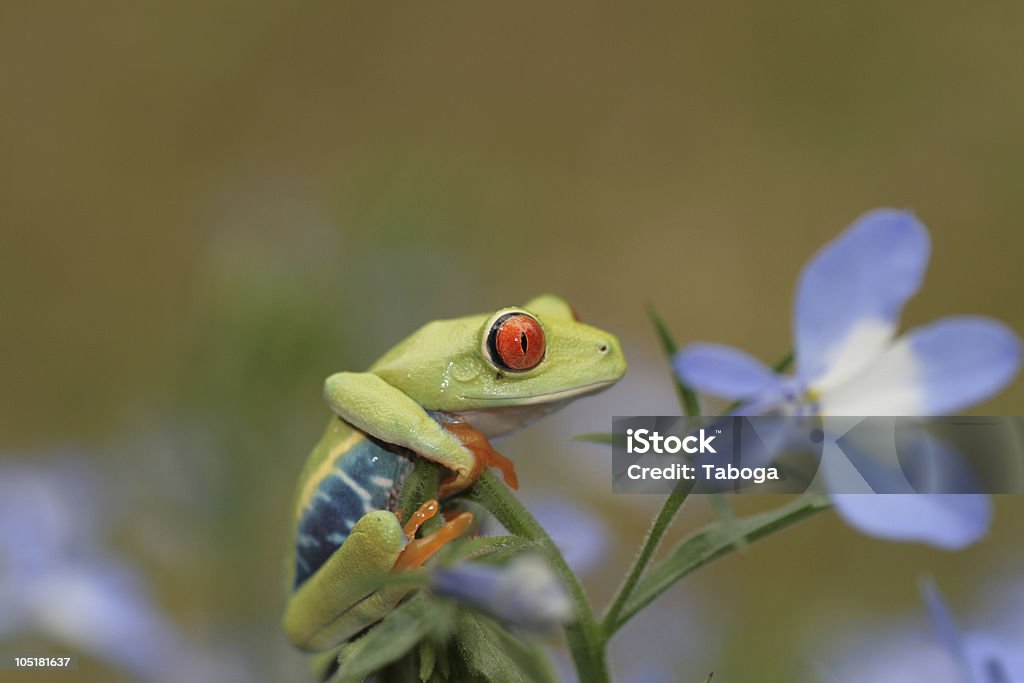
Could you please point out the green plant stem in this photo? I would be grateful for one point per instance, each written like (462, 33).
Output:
(783, 363)
(584, 634)
(661, 523)
(688, 398)
(690, 404)
(722, 508)
(711, 543)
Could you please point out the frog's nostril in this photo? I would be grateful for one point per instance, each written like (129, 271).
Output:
(602, 348)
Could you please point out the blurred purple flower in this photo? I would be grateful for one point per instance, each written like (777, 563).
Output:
(525, 592)
(677, 638)
(944, 653)
(578, 533)
(58, 580)
(846, 313)
(980, 658)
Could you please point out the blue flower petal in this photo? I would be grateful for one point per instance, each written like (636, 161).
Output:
(992, 660)
(723, 371)
(883, 456)
(526, 592)
(937, 369)
(981, 658)
(578, 534)
(868, 486)
(964, 360)
(946, 630)
(945, 520)
(849, 297)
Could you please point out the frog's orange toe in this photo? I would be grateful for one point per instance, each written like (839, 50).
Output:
(425, 512)
(486, 456)
(419, 550)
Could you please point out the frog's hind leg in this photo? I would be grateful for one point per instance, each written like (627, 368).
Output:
(344, 595)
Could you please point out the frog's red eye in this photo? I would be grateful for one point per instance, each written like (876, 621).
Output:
(516, 342)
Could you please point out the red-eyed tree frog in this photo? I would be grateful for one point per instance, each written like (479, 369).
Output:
(440, 394)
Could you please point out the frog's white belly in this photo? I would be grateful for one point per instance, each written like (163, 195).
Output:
(495, 422)
(503, 419)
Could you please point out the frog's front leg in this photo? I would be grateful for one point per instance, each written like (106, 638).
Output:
(367, 402)
(345, 594)
(485, 454)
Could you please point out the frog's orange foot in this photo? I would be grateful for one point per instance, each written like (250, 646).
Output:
(485, 457)
(419, 550)
(425, 512)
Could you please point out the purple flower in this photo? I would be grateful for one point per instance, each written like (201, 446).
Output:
(980, 658)
(577, 532)
(59, 581)
(944, 653)
(525, 592)
(850, 363)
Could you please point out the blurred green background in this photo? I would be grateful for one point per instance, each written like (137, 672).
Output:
(206, 208)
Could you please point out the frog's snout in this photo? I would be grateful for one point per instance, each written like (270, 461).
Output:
(609, 356)
(607, 345)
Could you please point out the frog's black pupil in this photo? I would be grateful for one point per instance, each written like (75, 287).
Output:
(522, 341)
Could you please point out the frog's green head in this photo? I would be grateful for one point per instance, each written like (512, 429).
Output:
(539, 355)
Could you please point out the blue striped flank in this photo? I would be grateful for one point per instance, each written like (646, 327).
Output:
(362, 480)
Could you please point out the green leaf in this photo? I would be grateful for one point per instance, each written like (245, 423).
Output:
(496, 655)
(688, 398)
(723, 510)
(395, 636)
(782, 365)
(491, 549)
(461, 673)
(428, 658)
(708, 545)
(402, 671)
(673, 502)
(442, 667)
(603, 438)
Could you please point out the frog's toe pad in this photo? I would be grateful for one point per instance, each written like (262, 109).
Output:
(419, 550)
(425, 512)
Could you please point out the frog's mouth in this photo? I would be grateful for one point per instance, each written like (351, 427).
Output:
(552, 397)
(497, 419)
